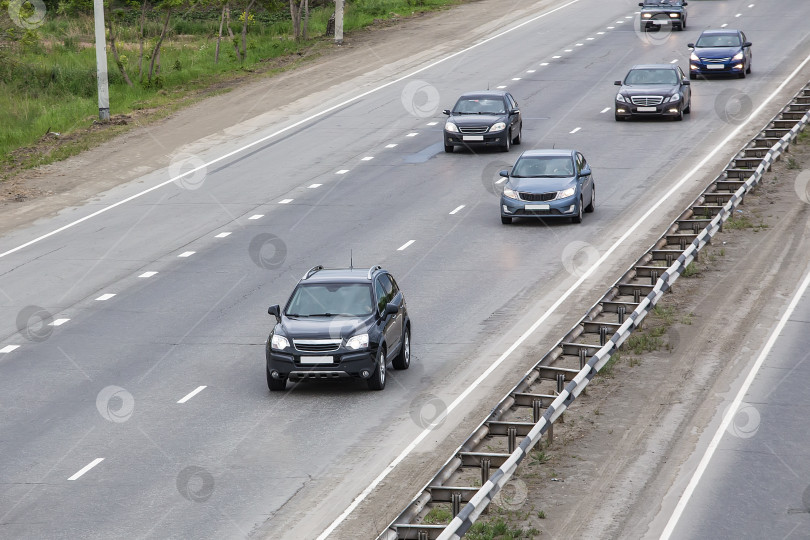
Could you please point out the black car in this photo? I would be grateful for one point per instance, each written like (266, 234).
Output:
(339, 323)
(654, 90)
(658, 13)
(720, 52)
(490, 118)
(548, 184)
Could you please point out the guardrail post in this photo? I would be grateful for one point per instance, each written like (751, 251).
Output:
(511, 439)
(484, 470)
(653, 279)
(536, 406)
(621, 310)
(560, 383)
(603, 331)
(455, 499)
(696, 227)
(582, 356)
(670, 259)
(423, 535)
(637, 296)
(550, 433)
(683, 244)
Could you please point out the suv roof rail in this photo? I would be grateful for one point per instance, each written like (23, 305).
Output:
(373, 269)
(312, 270)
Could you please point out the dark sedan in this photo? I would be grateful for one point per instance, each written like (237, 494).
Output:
(654, 90)
(490, 118)
(720, 52)
(548, 184)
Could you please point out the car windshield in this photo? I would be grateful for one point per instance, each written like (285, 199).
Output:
(479, 106)
(662, 2)
(330, 300)
(651, 76)
(731, 40)
(543, 166)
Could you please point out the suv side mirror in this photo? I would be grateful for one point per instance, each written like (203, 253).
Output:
(685, 3)
(391, 308)
(504, 173)
(690, 45)
(747, 44)
(641, 4)
(686, 82)
(617, 83)
(275, 310)
(446, 111)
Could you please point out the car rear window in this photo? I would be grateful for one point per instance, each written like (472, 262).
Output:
(719, 41)
(651, 76)
(330, 300)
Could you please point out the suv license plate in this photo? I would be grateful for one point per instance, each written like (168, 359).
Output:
(646, 109)
(317, 359)
(473, 137)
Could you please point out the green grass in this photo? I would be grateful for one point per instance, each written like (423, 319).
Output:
(497, 529)
(438, 515)
(48, 75)
(641, 342)
(738, 223)
(539, 457)
(793, 164)
(691, 270)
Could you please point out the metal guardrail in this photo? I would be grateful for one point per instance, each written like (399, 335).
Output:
(707, 214)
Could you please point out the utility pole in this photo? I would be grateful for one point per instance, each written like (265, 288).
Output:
(339, 22)
(101, 62)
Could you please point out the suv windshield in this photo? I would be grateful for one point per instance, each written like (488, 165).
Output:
(543, 166)
(718, 41)
(651, 76)
(329, 300)
(662, 2)
(479, 106)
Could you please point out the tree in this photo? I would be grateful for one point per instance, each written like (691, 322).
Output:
(118, 62)
(144, 5)
(245, 20)
(297, 8)
(168, 5)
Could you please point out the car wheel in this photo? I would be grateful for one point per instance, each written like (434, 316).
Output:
(619, 118)
(506, 220)
(592, 206)
(403, 359)
(749, 69)
(680, 116)
(449, 149)
(578, 218)
(516, 140)
(742, 74)
(275, 385)
(377, 380)
(508, 144)
(688, 108)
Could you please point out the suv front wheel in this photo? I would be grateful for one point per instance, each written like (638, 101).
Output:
(377, 379)
(403, 359)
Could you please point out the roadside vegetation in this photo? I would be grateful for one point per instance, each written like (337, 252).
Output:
(160, 53)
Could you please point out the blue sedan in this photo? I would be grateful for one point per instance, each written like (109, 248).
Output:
(719, 52)
(548, 184)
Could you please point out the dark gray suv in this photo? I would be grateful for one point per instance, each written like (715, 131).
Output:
(339, 323)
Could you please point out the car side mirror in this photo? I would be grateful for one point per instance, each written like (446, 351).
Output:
(391, 308)
(504, 173)
(686, 83)
(685, 4)
(641, 4)
(447, 112)
(275, 310)
(690, 45)
(586, 171)
(747, 44)
(617, 83)
(514, 111)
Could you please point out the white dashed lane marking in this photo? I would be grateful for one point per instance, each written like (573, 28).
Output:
(457, 209)
(342, 171)
(86, 468)
(515, 78)
(603, 111)
(187, 254)
(575, 130)
(192, 394)
(104, 297)
(413, 134)
(59, 322)
(285, 201)
(392, 145)
(222, 234)
(313, 186)
(501, 87)
(432, 123)
(256, 216)
(501, 181)
(367, 158)
(530, 70)
(9, 348)
(405, 245)
(543, 63)
(147, 274)
(555, 57)
(674, 61)
(723, 25)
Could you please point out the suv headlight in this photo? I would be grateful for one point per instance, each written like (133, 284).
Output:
(566, 193)
(451, 127)
(510, 193)
(694, 58)
(279, 342)
(675, 97)
(498, 126)
(647, 15)
(357, 342)
(674, 15)
(738, 56)
(620, 98)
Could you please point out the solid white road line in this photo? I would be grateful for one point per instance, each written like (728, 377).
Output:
(603, 111)
(485, 375)
(367, 158)
(186, 254)
(285, 201)
(574, 130)
(405, 245)
(732, 411)
(58, 322)
(86, 468)
(9, 348)
(147, 274)
(256, 216)
(192, 394)
(342, 171)
(457, 209)
(104, 297)
(314, 186)
(223, 234)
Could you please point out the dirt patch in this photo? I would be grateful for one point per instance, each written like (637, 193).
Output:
(620, 446)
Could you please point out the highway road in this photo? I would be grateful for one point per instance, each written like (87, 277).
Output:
(150, 299)
(755, 480)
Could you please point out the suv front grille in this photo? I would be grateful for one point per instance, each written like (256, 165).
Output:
(538, 196)
(646, 101)
(317, 345)
(474, 129)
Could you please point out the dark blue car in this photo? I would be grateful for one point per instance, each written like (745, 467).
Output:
(720, 52)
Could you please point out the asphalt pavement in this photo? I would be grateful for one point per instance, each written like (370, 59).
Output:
(150, 300)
